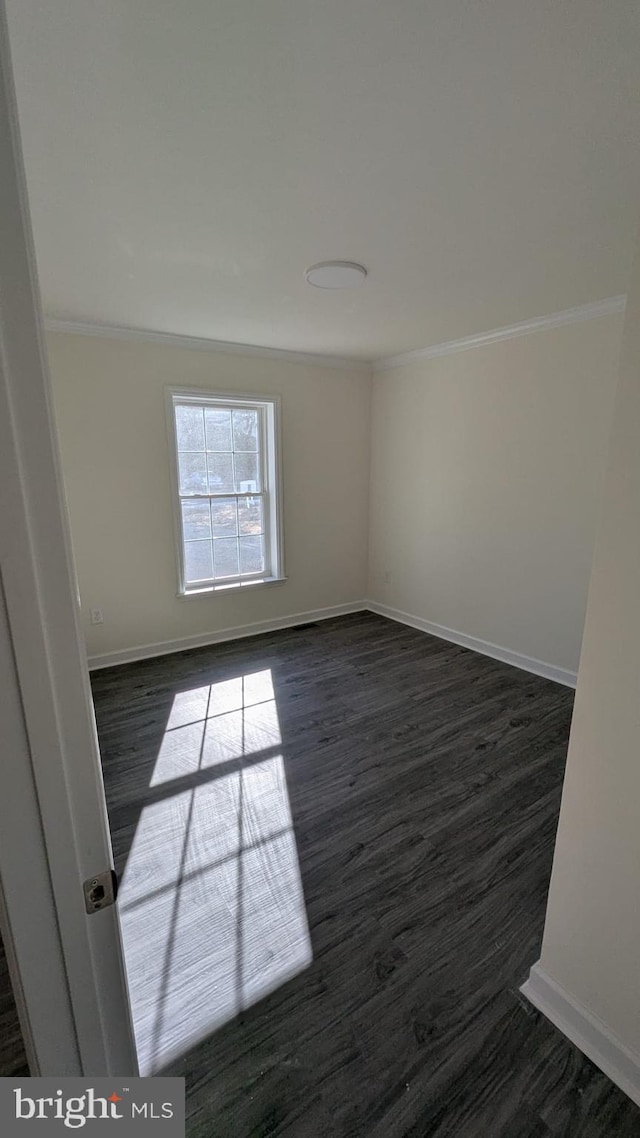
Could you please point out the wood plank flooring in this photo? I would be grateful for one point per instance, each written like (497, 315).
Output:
(13, 1059)
(335, 844)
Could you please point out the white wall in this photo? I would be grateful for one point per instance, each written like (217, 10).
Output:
(591, 941)
(110, 411)
(486, 474)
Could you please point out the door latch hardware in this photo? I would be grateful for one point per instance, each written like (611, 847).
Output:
(100, 891)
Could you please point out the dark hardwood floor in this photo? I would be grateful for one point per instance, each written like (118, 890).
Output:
(335, 843)
(13, 1059)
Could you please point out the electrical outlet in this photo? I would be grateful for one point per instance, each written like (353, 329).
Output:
(386, 578)
(96, 616)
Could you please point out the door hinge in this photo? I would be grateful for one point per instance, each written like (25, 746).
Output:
(100, 890)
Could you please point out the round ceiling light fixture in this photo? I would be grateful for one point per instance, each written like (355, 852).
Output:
(336, 274)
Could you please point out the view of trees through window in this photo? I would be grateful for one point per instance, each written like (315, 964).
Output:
(221, 493)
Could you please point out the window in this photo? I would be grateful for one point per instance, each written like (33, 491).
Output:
(227, 489)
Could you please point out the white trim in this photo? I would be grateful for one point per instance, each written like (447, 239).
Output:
(484, 647)
(269, 408)
(583, 1028)
(247, 583)
(201, 344)
(608, 307)
(53, 783)
(201, 640)
(44, 1010)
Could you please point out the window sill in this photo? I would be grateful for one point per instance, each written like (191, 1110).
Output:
(211, 590)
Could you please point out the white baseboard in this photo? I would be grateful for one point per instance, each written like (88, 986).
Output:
(589, 1033)
(485, 647)
(201, 640)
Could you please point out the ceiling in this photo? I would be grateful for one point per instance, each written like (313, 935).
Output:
(188, 160)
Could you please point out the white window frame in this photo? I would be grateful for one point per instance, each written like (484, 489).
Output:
(269, 415)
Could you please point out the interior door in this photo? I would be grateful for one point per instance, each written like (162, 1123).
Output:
(58, 767)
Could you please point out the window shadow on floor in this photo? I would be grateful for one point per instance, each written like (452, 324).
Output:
(405, 793)
(211, 901)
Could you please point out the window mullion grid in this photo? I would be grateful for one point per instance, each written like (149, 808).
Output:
(263, 494)
(212, 539)
(223, 494)
(266, 492)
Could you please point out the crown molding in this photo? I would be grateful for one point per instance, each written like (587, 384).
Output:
(201, 344)
(608, 307)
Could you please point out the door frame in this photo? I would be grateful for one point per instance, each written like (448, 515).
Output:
(53, 813)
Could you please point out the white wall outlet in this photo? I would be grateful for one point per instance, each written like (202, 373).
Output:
(386, 578)
(96, 616)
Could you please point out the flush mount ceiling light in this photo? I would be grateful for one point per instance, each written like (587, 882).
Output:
(336, 274)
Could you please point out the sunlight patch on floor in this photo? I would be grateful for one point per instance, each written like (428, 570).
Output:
(217, 723)
(211, 901)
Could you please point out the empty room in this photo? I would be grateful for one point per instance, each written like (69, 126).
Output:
(320, 550)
